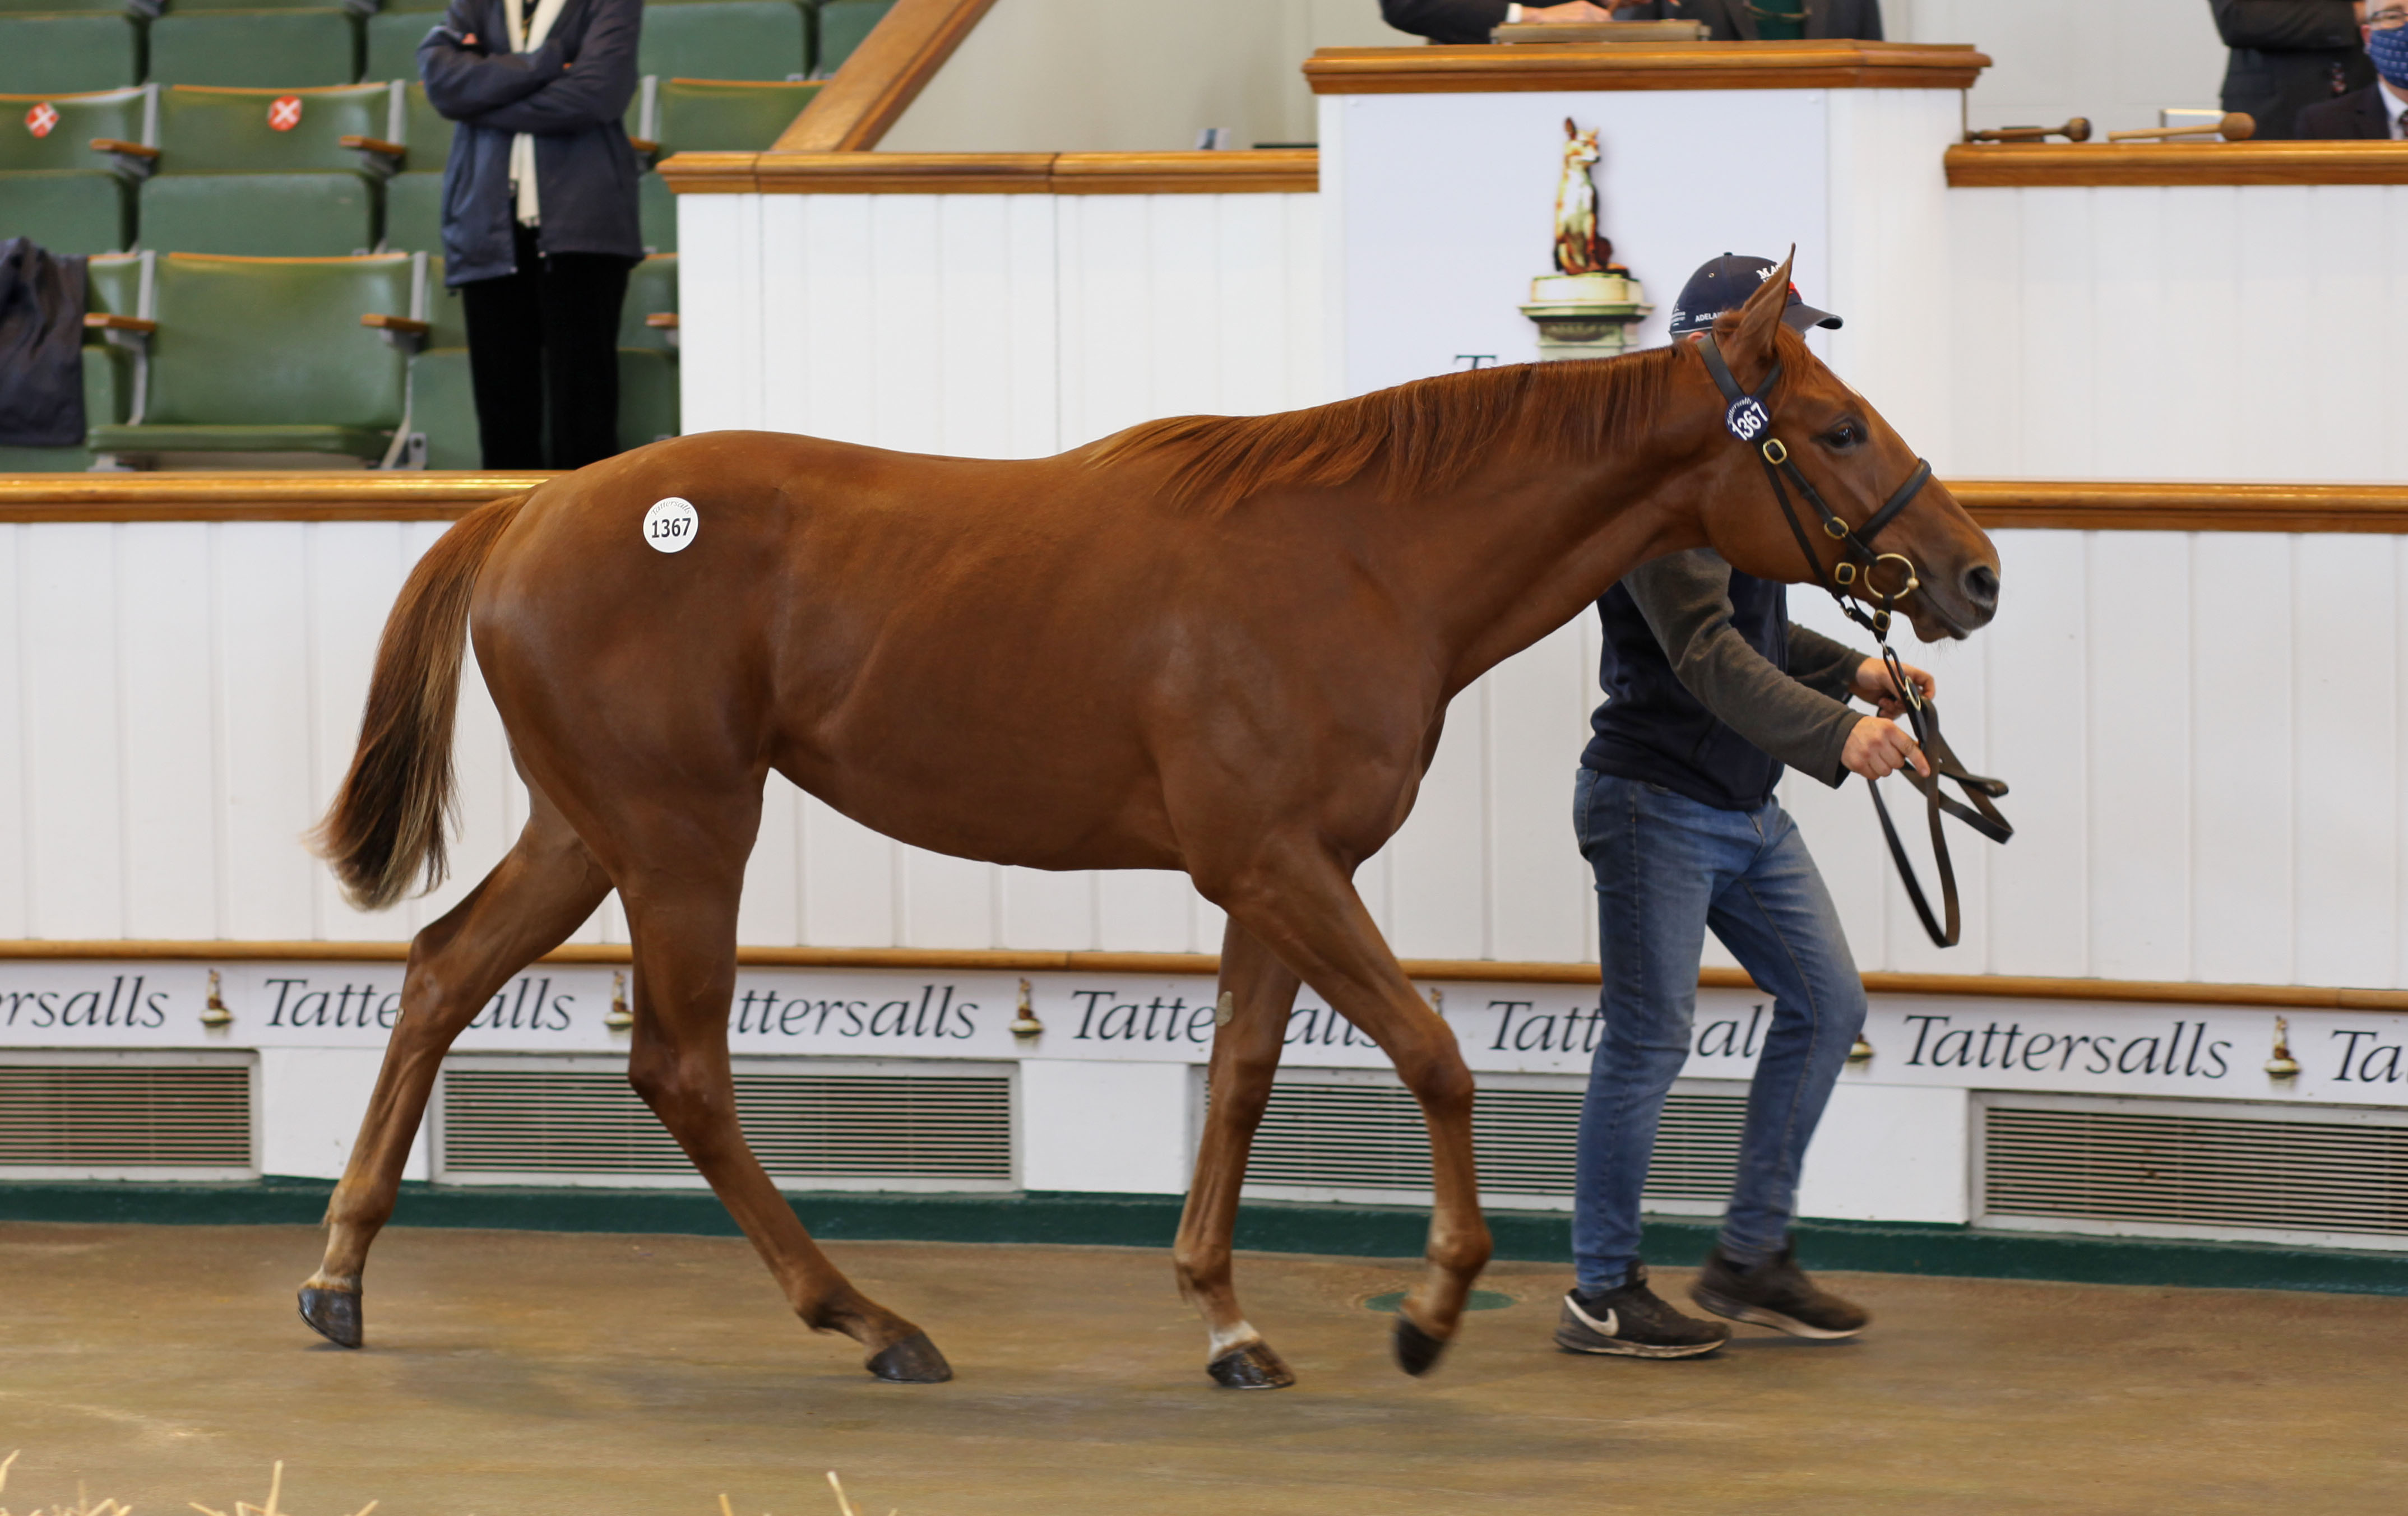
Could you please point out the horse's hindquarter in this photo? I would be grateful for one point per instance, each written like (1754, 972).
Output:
(1029, 663)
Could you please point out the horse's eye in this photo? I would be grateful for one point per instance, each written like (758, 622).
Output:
(1842, 438)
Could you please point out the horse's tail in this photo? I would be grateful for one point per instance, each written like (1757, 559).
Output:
(386, 824)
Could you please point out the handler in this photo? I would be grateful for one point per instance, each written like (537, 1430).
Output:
(1711, 688)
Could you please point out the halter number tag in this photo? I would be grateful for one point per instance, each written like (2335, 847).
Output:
(1746, 418)
(669, 526)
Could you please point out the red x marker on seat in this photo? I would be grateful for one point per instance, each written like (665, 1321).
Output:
(42, 119)
(285, 112)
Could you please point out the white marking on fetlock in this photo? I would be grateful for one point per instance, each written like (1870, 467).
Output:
(348, 1284)
(1227, 1339)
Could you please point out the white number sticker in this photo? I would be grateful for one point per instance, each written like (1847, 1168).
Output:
(669, 526)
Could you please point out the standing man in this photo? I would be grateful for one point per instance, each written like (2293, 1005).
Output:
(2379, 111)
(1710, 689)
(539, 225)
(2289, 56)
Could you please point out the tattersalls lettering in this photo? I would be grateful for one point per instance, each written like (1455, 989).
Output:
(1104, 1018)
(2376, 1062)
(936, 1013)
(2185, 1054)
(123, 1005)
(350, 1006)
(1541, 1031)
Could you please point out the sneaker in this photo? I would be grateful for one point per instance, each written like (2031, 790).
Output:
(1630, 1321)
(1776, 1292)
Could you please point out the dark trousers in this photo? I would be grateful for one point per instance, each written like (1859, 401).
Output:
(545, 340)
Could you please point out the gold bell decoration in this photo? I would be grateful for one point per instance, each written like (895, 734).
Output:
(1860, 1051)
(619, 1018)
(2283, 1066)
(1025, 1024)
(214, 1012)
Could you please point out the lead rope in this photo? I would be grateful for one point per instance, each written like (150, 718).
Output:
(1749, 420)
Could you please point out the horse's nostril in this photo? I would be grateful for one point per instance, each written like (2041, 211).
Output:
(1982, 584)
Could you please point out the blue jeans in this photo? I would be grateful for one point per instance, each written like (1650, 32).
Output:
(1667, 868)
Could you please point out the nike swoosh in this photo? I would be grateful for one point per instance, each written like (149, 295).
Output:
(1604, 1328)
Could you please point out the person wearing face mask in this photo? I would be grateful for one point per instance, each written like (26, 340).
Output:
(2379, 111)
(2289, 56)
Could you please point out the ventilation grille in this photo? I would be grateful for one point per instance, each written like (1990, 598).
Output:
(1369, 1137)
(799, 1125)
(125, 1116)
(2126, 1165)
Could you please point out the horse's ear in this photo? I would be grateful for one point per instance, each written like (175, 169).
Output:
(1570, 130)
(1746, 336)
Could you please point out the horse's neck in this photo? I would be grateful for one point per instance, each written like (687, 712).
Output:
(1524, 552)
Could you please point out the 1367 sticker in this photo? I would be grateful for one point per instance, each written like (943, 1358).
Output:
(670, 525)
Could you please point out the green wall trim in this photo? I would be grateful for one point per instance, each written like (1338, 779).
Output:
(1145, 1221)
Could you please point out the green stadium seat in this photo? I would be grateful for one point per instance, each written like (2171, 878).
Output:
(56, 131)
(70, 54)
(726, 39)
(230, 181)
(648, 397)
(843, 25)
(269, 355)
(392, 39)
(67, 210)
(427, 131)
(694, 115)
(80, 7)
(651, 291)
(413, 212)
(656, 208)
(270, 48)
(413, 200)
(54, 186)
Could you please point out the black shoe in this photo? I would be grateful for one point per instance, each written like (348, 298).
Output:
(1631, 1322)
(1776, 1292)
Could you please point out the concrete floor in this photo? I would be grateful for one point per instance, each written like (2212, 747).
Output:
(523, 1374)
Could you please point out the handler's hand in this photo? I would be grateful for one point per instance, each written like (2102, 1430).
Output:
(1871, 682)
(1579, 10)
(1877, 749)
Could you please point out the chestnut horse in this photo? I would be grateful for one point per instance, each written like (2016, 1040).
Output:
(1223, 645)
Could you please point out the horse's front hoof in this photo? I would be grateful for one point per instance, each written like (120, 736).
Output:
(1251, 1366)
(332, 1314)
(914, 1360)
(1417, 1352)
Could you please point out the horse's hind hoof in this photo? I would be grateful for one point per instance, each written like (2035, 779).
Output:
(1417, 1352)
(332, 1314)
(1251, 1366)
(914, 1360)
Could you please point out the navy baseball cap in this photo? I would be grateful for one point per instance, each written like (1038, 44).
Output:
(1725, 283)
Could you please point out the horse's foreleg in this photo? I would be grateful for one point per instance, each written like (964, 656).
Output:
(541, 891)
(1300, 903)
(684, 932)
(1245, 1055)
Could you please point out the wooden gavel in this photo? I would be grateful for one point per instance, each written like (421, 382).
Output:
(2239, 126)
(2076, 130)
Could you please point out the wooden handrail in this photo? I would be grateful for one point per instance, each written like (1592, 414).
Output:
(377, 495)
(1439, 970)
(1821, 64)
(1260, 171)
(874, 86)
(2052, 164)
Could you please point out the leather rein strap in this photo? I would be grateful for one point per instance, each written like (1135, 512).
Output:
(1748, 420)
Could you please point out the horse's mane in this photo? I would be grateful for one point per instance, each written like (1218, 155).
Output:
(1416, 438)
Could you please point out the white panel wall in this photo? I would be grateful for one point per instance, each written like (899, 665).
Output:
(2199, 333)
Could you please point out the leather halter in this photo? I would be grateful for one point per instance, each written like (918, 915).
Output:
(1749, 421)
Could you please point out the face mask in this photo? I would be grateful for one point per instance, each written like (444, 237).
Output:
(2389, 51)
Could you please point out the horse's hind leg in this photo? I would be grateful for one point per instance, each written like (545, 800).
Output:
(683, 922)
(1298, 901)
(1245, 1055)
(541, 891)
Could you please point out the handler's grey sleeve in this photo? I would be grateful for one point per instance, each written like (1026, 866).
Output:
(1797, 716)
